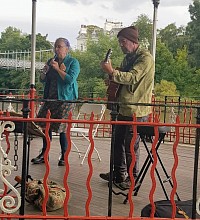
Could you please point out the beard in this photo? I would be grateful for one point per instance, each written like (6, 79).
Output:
(125, 50)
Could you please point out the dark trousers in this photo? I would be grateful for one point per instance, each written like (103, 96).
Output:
(63, 143)
(122, 154)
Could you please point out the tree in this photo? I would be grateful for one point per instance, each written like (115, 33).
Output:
(193, 31)
(18, 79)
(164, 61)
(192, 89)
(144, 25)
(181, 72)
(12, 39)
(176, 56)
(91, 78)
(165, 88)
(174, 69)
(174, 38)
(92, 88)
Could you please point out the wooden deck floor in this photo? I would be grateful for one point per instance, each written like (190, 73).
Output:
(78, 174)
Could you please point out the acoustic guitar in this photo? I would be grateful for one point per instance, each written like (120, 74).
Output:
(113, 88)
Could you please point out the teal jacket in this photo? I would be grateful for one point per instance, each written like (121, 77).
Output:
(67, 88)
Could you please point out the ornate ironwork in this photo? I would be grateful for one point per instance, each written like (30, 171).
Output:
(16, 143)
(7, 203)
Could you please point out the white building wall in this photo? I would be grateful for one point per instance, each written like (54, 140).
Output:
(82, 35)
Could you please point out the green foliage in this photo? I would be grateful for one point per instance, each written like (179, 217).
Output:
(18, 79)
(165, 88)
(182, 73)
(191, 87)
(177, 57)
(91, 78)
(145, 26)
(174, 38)
(193, 31)
(12, 39)
(42, 43)
(93, 87)
(175, 69)
(164, 61)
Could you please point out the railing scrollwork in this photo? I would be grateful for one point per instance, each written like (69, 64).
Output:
(7, 203)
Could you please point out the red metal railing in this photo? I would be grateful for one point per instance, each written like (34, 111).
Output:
(44, 215)
(166, 110)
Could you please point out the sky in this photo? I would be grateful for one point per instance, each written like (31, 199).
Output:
(63, 18)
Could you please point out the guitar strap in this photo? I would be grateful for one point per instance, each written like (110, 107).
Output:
(130, 64)
(114, 88)
(127, 68)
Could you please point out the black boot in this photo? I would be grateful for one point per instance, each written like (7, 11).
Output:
(39, 159)
(117, 178)
(61, 161)
(63, 144)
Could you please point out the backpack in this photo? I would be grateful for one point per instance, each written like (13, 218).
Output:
(35, 194)
(163, 209)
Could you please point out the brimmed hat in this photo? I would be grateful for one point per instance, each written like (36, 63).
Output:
(130, 33)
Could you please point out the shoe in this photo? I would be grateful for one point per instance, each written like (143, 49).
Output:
(39, 159)
(106, 176)
(125, 184)
(61, 163)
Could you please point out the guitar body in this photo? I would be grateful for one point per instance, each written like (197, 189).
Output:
(113, 88)
(112, 93)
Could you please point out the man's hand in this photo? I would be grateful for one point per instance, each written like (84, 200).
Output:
(107, 67)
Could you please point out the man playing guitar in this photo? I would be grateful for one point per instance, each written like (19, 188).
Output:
(135, 77)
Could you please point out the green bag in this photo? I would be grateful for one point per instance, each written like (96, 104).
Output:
(35, 194)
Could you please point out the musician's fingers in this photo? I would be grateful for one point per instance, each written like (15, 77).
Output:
(109, 61)
(55, 65)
